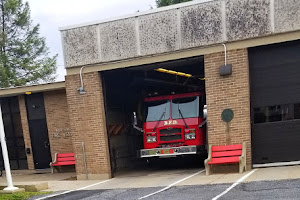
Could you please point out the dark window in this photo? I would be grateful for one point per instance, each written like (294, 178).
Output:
(156, 110)
(267, 114)
(188, 106)
(277, 113)
(287, 112)
(297, 111)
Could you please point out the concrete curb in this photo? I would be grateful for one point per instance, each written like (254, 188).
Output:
(12, 191)
(29, 187)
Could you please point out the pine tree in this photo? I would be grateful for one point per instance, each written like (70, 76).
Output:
(161, 3)
(24, 56)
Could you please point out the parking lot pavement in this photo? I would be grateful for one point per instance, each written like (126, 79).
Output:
(185, 183)
(279, 189)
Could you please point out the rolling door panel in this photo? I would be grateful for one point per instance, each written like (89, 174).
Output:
(275, 102)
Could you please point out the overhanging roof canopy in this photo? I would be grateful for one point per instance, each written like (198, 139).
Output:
(33, 88)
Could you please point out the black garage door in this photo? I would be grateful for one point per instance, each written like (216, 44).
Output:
(275, 102)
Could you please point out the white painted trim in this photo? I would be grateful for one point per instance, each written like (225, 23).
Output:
(169, 186)
(82, 188)
(234, 184)
(190, 3)
(276, 164)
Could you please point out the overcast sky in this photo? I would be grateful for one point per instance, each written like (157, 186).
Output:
(52, 14)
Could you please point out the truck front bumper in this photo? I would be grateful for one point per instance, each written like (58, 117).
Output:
(170, 151)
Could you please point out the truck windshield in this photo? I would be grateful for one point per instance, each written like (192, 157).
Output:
(188, 106)
(156, 110)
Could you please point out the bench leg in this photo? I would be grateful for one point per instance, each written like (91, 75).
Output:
(51, 167)
(242, 166)
(207, 169)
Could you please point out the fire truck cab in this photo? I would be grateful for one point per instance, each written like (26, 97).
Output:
(174, 125)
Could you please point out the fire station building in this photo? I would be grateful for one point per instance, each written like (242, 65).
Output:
(244, 54)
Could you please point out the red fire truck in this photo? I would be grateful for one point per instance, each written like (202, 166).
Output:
(173, 125)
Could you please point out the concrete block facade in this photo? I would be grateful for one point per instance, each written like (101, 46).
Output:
(118, 40)
(75, 52)
(198, 24)
(178, 27)
(233, 92)
(88, 126)
(158, 32)
(247, 19)
(287, 14)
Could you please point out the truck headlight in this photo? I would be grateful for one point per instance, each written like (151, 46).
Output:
(151, 139)
(190, 136)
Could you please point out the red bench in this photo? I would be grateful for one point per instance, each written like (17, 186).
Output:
(62, 159)
(227, 154)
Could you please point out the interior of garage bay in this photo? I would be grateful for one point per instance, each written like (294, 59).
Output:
(124, 92)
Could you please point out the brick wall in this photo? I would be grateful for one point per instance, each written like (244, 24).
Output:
(58, 123)
(88, 125)
(228, 92)
(25, 128)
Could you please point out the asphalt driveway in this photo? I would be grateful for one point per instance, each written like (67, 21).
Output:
(280, 189)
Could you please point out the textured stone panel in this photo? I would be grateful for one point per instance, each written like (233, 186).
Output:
(158, 32)
(201, 24)
(247, 18)
(118, 40)
(80, 46)
(287, 15)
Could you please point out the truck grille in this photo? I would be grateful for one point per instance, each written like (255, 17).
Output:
(168, 138)
(170, 131)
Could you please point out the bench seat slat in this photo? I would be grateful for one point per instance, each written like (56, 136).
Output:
(227, 147)
(226, 153)
(62, 155)
(65, 159)
(64, 163)
(224, 160)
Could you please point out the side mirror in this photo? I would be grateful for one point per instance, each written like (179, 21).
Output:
(135, 123)
(134, 119)
(205, 111)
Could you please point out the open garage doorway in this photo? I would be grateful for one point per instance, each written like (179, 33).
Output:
(125, 91)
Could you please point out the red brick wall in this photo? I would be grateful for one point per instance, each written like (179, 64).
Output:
(58, 122)
(88, 125)
(228, 92)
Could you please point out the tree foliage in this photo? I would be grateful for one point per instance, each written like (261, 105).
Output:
(161, 3)
(24, 56)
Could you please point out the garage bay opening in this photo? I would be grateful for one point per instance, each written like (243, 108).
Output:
(165, 102)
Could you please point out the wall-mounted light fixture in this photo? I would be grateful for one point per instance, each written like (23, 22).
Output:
(226, 69)
(81, 89)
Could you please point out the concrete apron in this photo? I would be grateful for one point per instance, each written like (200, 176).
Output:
(146, 178)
